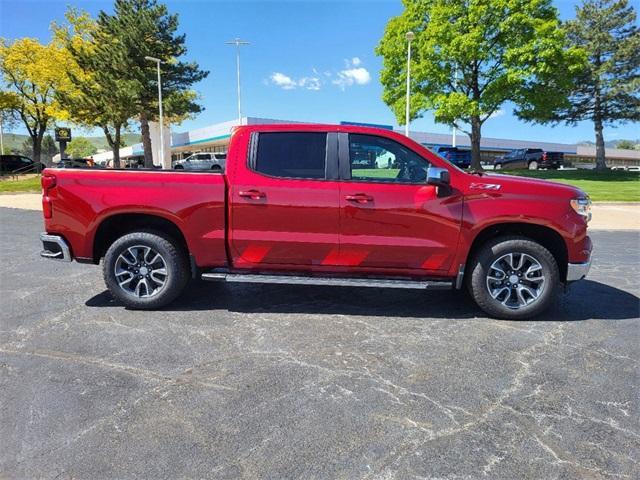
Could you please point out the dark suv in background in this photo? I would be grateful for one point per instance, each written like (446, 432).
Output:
(531, 158)
(18, 164)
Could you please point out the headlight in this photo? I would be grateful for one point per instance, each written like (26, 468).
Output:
(582, 206)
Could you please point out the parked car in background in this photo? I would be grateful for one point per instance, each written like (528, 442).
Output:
(460, 158)
(76, 163)
(626, 168)
(293, 208)
(19, 164)
(531, 158)
(202, 161)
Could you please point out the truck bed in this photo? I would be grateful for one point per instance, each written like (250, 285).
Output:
(85, 198)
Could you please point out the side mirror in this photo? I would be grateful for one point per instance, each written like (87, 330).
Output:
(438, 177)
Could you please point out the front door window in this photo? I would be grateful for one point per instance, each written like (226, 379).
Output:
(379, 159)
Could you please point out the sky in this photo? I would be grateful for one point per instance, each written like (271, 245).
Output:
(307, 61)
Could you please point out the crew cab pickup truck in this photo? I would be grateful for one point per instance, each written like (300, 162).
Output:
(291, 209)
(531, 158)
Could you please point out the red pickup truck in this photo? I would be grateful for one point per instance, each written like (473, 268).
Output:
(294, 207)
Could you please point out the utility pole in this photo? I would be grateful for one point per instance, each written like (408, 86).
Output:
(409, 36)
(238, 43)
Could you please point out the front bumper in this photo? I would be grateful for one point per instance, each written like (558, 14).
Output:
(577, 271)
(55, 247)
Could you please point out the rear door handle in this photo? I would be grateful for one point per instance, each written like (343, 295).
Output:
(359, 198)
(252, 194)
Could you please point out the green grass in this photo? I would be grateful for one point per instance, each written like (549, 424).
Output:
(374, 173)
(31, 184)
(607, 186)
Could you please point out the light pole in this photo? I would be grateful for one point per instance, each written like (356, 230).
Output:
(410, 36)
(238, 43)
(158, 62)
(453, 128)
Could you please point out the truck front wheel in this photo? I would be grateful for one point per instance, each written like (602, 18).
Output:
(145, 270)
(514, 278)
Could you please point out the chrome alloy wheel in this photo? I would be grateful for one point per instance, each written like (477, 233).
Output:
(141, 271)
(515, 280)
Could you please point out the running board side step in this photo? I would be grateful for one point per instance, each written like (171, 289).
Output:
(328, 281)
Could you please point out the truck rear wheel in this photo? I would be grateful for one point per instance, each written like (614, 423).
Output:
(145, 270)
(514, 278)
(533, 165)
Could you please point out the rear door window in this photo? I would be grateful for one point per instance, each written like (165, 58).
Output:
(292, 154)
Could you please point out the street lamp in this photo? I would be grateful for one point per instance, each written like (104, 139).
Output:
(454, 129)
(158, 62)
(409, 36)
(238, 43)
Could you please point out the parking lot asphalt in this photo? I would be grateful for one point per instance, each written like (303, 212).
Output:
(268, 381)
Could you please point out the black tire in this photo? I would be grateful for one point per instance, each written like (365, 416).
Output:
(178, 167)
(216, 168)
(478, 283)
(533, 165)
(173, 257)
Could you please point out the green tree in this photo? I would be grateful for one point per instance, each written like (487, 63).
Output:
(80, 147)
(49, 148)
(99, 94)
(608, 90)
(31, 72)
(145, 28)
(8, 119)
(26, 148)
(469, 57)
(626, 144)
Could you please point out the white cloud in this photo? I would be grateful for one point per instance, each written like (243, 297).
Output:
(310, 83)
(287, 83)
(352, 76)
(283, 81)
(497, 113)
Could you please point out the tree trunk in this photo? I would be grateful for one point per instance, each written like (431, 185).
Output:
(113, 143)
(37, 144)
(475, 136)
(116, 148)
(146, 140)
(36, 149)
(600, 157)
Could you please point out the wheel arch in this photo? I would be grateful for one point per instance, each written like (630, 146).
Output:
(117, 225)
(545, 236)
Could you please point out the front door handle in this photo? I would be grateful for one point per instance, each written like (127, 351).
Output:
(252, 194)
(359, 198)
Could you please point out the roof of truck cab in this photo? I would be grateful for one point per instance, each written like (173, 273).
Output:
(313, 127)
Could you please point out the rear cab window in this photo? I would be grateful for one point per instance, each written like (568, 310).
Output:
(291, 154)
